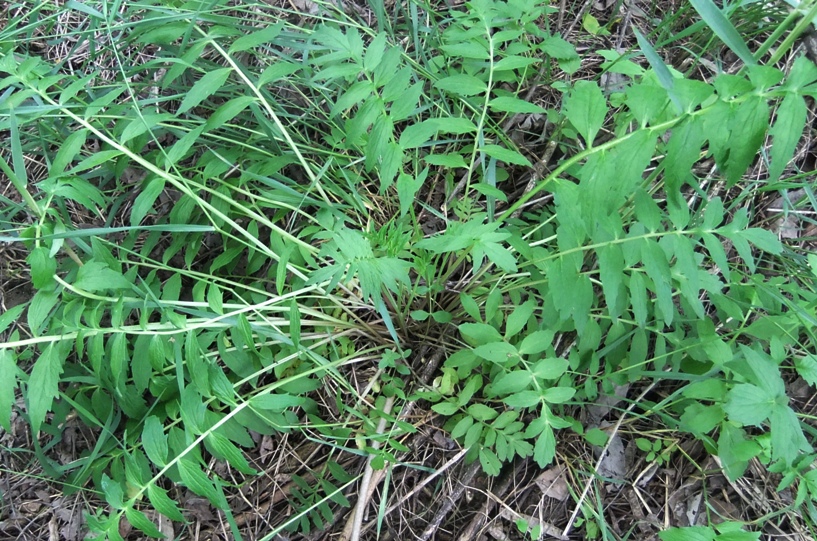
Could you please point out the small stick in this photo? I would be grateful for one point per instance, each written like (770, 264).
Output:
(601, 457)
(366, 486)
(442, 513)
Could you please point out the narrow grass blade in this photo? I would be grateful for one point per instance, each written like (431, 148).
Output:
(717, 21)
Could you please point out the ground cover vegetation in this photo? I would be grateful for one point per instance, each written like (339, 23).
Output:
(326, 269)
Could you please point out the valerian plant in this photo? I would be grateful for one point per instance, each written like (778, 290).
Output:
(275, 180)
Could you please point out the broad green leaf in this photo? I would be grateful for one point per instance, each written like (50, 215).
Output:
(715, 248)
(227, 112)
(162, 34)
(497, 254)
(638, 298)
(699, 419)
(749, 404)
(141, 522)
(611, 273)
(113, 492)
(154, 441)
(683, 151)
(8, 383)
(523, 399)
(586, 109)
(215, 299)
(358, 93)
(468, 49)
(225, 450)
(497, 352)
(39, 309)
(545, 449)
(256, 38)
(655, 263)
(735, 450)
(275, 402)
(536, 342)
(759, 368)
(514, 62)
(717, 21)
(481, 412)
(43, 385)
(203, 88)
(446, 160)
(196, 480)
(407, 188)
(143, 204)
(479, 333)
(786, 132)
(94, 160)
(182, 147)
(788, 440)
(43, 267)
(142, 124)
(748, 131)
(665, 78)
(445, 408)
(462, 427)
(462, 84)
(550, 368)
(646, 102)
(490, 463)
(97, 276)
(10, 316)
(518, 318)
(418, 134)
(68, 152)
(276, 71)
(505, 155)
(507, 104)
(558, 395)
(559, 48)
(162, 503)
(511, 382)
(807, 368)
(689, 533)
(762, 238)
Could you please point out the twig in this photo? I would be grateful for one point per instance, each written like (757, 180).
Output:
(366, 486)
(454, 460)
(476, 523)
(601, 458)
(442, 513)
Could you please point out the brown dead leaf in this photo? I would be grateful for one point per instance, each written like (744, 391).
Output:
(553, 484)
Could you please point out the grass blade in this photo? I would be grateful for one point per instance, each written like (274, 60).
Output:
(724, 29)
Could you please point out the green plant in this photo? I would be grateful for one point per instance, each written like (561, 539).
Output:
(264, 194)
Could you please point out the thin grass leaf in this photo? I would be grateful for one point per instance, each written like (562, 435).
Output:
(724, 29)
